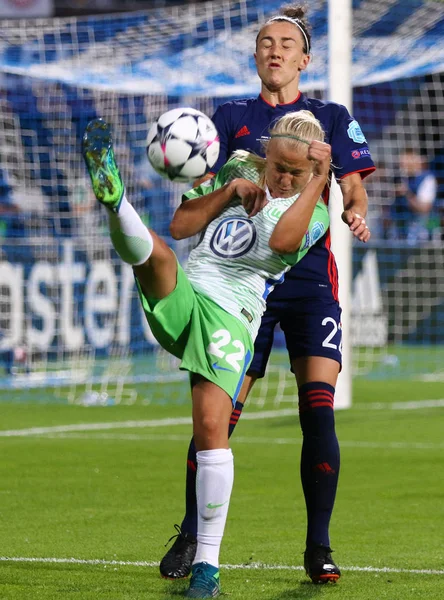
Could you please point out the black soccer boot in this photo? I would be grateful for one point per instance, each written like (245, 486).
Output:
(319, 564)
(176, 564)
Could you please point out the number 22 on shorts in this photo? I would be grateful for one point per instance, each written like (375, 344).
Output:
(218, 349)
(327, 343)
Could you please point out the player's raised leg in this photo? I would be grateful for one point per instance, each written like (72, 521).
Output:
(154, 262)
(97, 148)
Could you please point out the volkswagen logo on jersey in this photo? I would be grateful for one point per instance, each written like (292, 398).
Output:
(233, 237)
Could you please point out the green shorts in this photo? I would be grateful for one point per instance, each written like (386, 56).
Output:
(208, 340)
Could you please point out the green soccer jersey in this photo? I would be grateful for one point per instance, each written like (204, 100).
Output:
(232, 263)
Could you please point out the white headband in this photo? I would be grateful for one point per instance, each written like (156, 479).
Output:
(295, 22)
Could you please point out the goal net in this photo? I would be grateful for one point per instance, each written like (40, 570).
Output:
(71, 327)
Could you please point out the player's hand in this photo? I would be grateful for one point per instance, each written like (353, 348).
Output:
(357, 225)
(252, 196)
(320, 154)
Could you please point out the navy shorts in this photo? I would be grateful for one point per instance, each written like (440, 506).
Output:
(312, 327)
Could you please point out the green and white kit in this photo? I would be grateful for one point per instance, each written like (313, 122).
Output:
(211, 318)
(233, 264)
(207, 339)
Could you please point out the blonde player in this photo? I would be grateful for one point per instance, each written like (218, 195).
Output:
(261, 218)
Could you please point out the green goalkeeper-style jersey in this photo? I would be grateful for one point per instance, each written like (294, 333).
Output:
(232, 262)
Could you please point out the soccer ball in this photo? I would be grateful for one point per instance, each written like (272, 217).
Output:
(183, 144)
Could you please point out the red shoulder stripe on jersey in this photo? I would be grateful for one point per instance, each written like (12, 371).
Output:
(331, 268)
(326, 194)
(331, 265)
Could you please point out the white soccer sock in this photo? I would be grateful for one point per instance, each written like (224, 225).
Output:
(215, 475)
(130, 237)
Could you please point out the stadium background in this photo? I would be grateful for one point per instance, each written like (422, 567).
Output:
(69, 316)
(89, 494)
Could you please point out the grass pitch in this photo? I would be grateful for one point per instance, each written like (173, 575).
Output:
(89, 496)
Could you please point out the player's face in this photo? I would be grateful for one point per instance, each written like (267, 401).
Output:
(287, 171)
(280, 55)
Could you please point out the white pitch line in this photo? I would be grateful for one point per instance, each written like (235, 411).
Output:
(247, 567)
(266, 414)
(94, 427)
(407, 405)
(246, 416)
(134, 437)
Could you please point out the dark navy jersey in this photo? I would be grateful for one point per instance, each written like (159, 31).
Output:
(244, 124)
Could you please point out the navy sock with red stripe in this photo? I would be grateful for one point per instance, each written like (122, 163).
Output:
(189, 523)
(319, 458)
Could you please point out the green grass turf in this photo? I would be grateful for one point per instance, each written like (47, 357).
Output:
(114, 495)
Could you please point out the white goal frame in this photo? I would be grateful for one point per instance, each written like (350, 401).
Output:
(340, 91)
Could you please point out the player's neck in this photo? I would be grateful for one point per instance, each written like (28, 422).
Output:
(285, 95)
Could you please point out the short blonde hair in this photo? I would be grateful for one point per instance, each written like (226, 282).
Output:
(297, 129)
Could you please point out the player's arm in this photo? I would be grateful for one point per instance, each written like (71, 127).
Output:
(292, 226)
(197, 212)
(355, 206)
(352, 162)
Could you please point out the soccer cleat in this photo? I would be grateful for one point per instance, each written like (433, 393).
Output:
(97, 149)
(320, 566)
(204, 581)
(176, 564)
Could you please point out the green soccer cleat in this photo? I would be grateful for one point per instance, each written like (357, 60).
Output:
(204, 581)
(97, 149)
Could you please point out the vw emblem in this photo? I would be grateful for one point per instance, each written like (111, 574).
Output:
(233, 237)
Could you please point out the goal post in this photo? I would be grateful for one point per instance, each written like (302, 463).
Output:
(340, 91)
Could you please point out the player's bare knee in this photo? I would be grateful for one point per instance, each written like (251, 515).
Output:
(210, 427)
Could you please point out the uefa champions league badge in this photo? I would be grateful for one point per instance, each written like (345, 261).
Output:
(313, 235)
(354, 132)
(317, 231)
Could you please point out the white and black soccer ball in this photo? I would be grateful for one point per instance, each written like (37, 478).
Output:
(183, 144)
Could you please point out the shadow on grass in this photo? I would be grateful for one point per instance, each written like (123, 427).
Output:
(173, 590)
(293, 590)
(307, 589)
